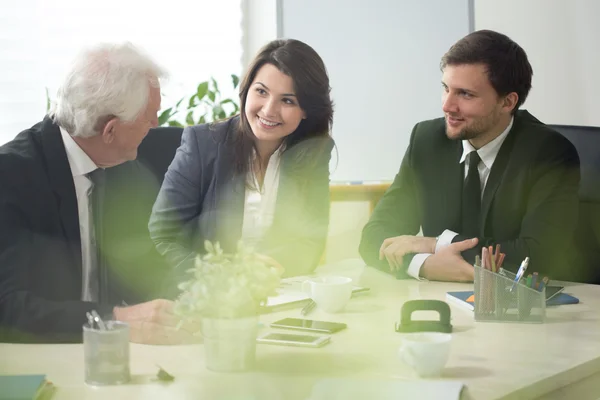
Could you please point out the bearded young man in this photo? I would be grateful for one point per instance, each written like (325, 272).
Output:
(483, 175)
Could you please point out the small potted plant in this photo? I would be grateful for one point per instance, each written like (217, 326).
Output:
(226, 291)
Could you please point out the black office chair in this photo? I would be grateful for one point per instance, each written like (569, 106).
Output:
(586, 247)
(158, 149)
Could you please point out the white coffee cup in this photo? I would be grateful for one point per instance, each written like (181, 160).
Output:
(331, 293)
(426, 352)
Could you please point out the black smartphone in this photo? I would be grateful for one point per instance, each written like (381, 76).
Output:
(309, 325)
(552, 291)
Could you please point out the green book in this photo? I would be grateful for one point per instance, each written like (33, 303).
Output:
(25, 387)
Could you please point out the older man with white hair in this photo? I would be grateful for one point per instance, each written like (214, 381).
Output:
(53, 260)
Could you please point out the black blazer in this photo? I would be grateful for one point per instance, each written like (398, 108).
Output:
(203, 199)
(529, 204)
(40, 245)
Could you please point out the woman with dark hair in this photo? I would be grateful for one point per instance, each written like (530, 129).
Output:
(261, 176)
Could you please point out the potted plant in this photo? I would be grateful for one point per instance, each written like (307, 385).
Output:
(226, 291)
(205, 105)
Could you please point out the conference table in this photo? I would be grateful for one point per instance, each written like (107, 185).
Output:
(555, 360)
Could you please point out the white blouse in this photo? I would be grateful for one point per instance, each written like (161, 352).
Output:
(259, 205)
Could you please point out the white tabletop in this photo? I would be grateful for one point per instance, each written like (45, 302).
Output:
(493, 360)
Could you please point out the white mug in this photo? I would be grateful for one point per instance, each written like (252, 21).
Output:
(426, 352)
(331, 293)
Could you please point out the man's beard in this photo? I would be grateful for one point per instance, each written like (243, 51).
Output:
(477, 128)
(468, 133)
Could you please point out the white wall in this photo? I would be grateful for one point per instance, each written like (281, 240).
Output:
(562, 41)
(383, 60)
(259, 26)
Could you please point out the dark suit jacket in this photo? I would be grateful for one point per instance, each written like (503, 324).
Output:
(40, 245)
(529, 203)
(203, 199)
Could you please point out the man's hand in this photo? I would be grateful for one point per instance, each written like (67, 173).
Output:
(395, 248)
(270, 261)
(153, 322)
(448, 265)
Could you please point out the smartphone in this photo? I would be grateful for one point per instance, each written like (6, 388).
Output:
(289, 339)
(552, 291)
(309, 325)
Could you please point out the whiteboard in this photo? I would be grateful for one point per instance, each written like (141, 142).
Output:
(383, 61)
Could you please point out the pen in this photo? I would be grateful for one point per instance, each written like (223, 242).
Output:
(497, 255)
(482, 265)
(308, 308)
(543, 283)
(534, 281)
(528, 282)
(520, 273)
(500, 261)
(485, 259)
(98, 320)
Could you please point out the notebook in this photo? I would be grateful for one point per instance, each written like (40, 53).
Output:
(466, 299)
(25, 387)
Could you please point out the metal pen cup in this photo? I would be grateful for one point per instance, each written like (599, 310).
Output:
(106, 354)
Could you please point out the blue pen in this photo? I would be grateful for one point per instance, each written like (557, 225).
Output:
(520, 273)
(534, 280)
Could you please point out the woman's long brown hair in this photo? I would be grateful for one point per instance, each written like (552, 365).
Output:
(311, 84)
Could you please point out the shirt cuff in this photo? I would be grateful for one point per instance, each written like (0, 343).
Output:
(415, 265)
(445, 240)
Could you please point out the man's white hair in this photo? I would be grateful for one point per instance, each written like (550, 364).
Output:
(106, 81)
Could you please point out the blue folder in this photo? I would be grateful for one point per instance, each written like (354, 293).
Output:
(24, 387)
(562, 298)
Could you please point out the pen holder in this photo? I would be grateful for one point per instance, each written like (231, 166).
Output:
(499, 299)
(106, 354)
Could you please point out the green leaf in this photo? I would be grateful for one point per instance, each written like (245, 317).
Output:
(218, 113)
(48, 101)
(192, 103)
(212, 95)
(189, 119)
(179, 102)
(202, 120)
(202, 90)
(235, 107)
(235, 80)
(175, 123)
(164, 116)
(215, 85)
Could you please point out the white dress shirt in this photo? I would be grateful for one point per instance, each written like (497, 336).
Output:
(259, 205)
(488, 155)
(81, 164)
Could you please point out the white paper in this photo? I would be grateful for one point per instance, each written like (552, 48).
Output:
(346, 389)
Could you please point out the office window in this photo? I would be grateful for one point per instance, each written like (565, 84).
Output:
(193, 40)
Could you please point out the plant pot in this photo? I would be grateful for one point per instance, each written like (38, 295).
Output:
(230, 344)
